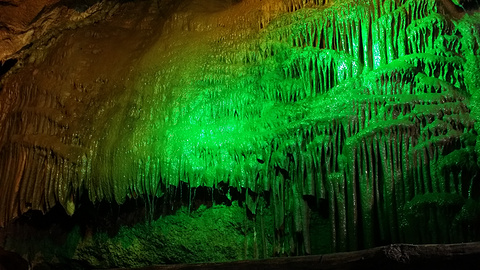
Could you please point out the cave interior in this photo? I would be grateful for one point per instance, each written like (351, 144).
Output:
(249, 133)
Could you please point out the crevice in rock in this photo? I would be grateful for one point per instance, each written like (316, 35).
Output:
(6, 66)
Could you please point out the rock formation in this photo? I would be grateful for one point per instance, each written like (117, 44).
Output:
(363, 111)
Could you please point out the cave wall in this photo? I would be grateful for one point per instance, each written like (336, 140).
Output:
(360, 113)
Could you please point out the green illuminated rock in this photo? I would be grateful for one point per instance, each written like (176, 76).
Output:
(363, 111)
(364, 106)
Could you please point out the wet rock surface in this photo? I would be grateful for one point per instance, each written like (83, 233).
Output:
(323, 126)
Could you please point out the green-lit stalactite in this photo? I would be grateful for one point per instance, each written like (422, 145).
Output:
(366, 106)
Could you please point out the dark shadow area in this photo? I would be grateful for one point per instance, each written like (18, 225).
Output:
(393, 257)
(7, 66)
(79, 5)
(109, 217)
(8, 3)
(12, 261)
(471, 5)
(83, 5)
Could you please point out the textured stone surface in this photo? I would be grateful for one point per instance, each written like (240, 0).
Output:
(345, 124)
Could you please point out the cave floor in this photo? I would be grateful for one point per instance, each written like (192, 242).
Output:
(395, 256)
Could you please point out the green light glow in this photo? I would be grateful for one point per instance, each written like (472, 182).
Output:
(333, 103)
(369, 107)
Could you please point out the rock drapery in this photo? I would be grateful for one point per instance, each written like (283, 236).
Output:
(368, 107)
